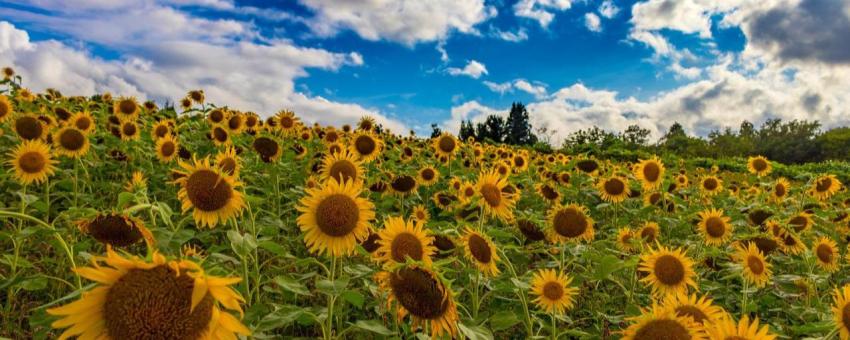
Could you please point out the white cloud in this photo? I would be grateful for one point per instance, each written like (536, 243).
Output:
(592, 22)
(685, 72)
(473, 69)
(501, 88)
(541, 10)
(405, 21)
(441, 47)
(518, 36)
(537, 89)
(608, 9)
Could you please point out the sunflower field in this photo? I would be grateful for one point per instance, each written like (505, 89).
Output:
(124, 220)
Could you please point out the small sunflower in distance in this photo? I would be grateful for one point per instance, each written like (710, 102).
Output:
(209, 193)
(481, 251)
(493, 200)
(715, 227)
(711, 185)
(756, 269)
(659, 323)
(334, 218)
(553, 291)
(650, 172)
(825, 186)
(423, 295)
(160, 299)
(400, 240)
(826, 253)
(625, 237)
(166, 148)
(570, 224)
(746, 329)
(366, 146)
(668, 271)
(32, 162)
(614, 189)
(780, 190)
(420, 214)
(445, 145)
(759, 166)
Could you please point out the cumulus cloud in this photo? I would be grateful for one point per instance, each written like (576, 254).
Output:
(405, 21)
(518, 36)
(592, 22)
(541, 11)
(473, 69)
(538, 90)
(608, 9)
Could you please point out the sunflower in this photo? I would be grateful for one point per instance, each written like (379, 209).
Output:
(715, 227)
(682, 180)
(700, 309)
(32, 162)
(569, 223)
(649, 232)
(759, 166)
(137, 181)
(481, 251)
(6, 108)
(756, 269)
(790, 242)
(268, 149)
(220, 136)
(711, 185)
(116, 230)
(780, 189)
(211, 194)
(83, 121)
(403, 184)
(28, 127)
(71, 142)
(166, 148)
(342, 166)
(428, 176)
(625, 236)
(334, 218)
(613, 189)
(287, 121)
(228, 162)
(445, 145)
(650, 172)
(825, 186)
(841, 310)
(366, 146)
(668, 271)
(126, 108)
(24, 95)
(466, 192)
(186, 103)
(548, 192)
(236, 123)
(8, 73)
(161, 129)
(802, 222)
(493, 200)
(160, 299)
(420, 214)
(588, 166)
(423, 295)
(366, 123)
(826, 252)
(746, 329)
(402, 239)
(660, 322)
(553, 291)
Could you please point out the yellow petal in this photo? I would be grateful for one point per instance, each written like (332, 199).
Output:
(232, 324)
(198, 292)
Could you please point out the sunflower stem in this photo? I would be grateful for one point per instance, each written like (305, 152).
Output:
(331, 301)
(554, 326)
(520, 293)
(56, 235)
(76, 180)
(744, 298)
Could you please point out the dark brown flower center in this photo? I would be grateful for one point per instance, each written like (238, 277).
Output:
(219, 134)
(365, 145)
(343, 169)
(709, 184)
(371, 243)
(759, 164)
(669, 270)
(403, 184)
(114, 230)
(663, 329)
(127, 107)
(614, 187)
(755, 264)
(824, 253)
(266, 147)
(799, 223)
(83, 123)
(428, 174)
(419, 293)
(228, 165)
(491, 194)
(479, 248)
(823, 184)
(32, 162)
(337, 215)
(128, 129)
(693, 312)
(406, 245)
(167, 149)
(530, 230)
(235, 122)
(587, 165)
(216, 116)
(651, 172)
(28, 127)
(715, 227)
(72, 139)
(548, 192)
(208, 191)
(570, 223)
(447, 144)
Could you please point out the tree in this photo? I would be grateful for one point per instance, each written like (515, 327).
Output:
(635, 136)
(435, 131)
(834, 144)
(790, 142)
(517, 126)
(493, 129)
(466, 130)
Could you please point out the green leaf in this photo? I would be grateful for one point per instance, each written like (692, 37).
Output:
(124, 198)
(353, 297)
(503, 320)
(475, 332)
(374, 326)
(273, 247)
(605, 267)
(280, 318)
(33, 283)
(332, 287)
(291, 285)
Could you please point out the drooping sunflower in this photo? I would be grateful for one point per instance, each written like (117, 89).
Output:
(403, 185)
(825, 186)
(790, 242)
(334, 217)
(196, 96)
(570, 223)
(649, 232)
(549, 192)
(746, 329)
(428, 176)
(660, 322)
(625, 237)
(553, 291)
(614, 189)
(212, 195)
(801, 222)
(160, 299)
(28, 127)
(342, 166)
(401, 239)
(228, 161)
(700, 309)
(826, 252)
(756, 269)
(71, 142)
(841, 310)
(481, 251)
(668, 270)
(6, 108)
(759, 166)
(650, 172)
(32, 162)
(780, 189)
(83, 121)
(366, 146)
(711, 185)
(445, 145)
(420, 293)
(219, 135)
(116, 230)
(126, 108)
(493, 200)
(268, 149)
(715, 227)
(166, 148)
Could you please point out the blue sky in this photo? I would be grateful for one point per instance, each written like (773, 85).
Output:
(576, 63)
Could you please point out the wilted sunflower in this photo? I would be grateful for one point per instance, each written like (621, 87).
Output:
(614, 189)
(825, 186)
(481, 251)
(569, 223)
(802, 222)
(727, 328)
(841, 310)
(116, 230)
(228, 162)
(553, 291)
(759, 166)
(161, 299)
(428, 176)
(711, 185)
(166, 148)
(334, 217)
(668, 271)
(211, 194)
(137, 181)
(625, 236)
(650, 172)
(366, 146)
(401, 239)
(700, 309)
(126, 108)
(420, 293)
(342, 166)
(660, 322)
(268, 149)
(715, 227)
(28, 127)
(756, 269)
(130, 130)
(71, 142)
(826, 252)
(493, 200)
(445, 145)
(32, 162)
(790, 242)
